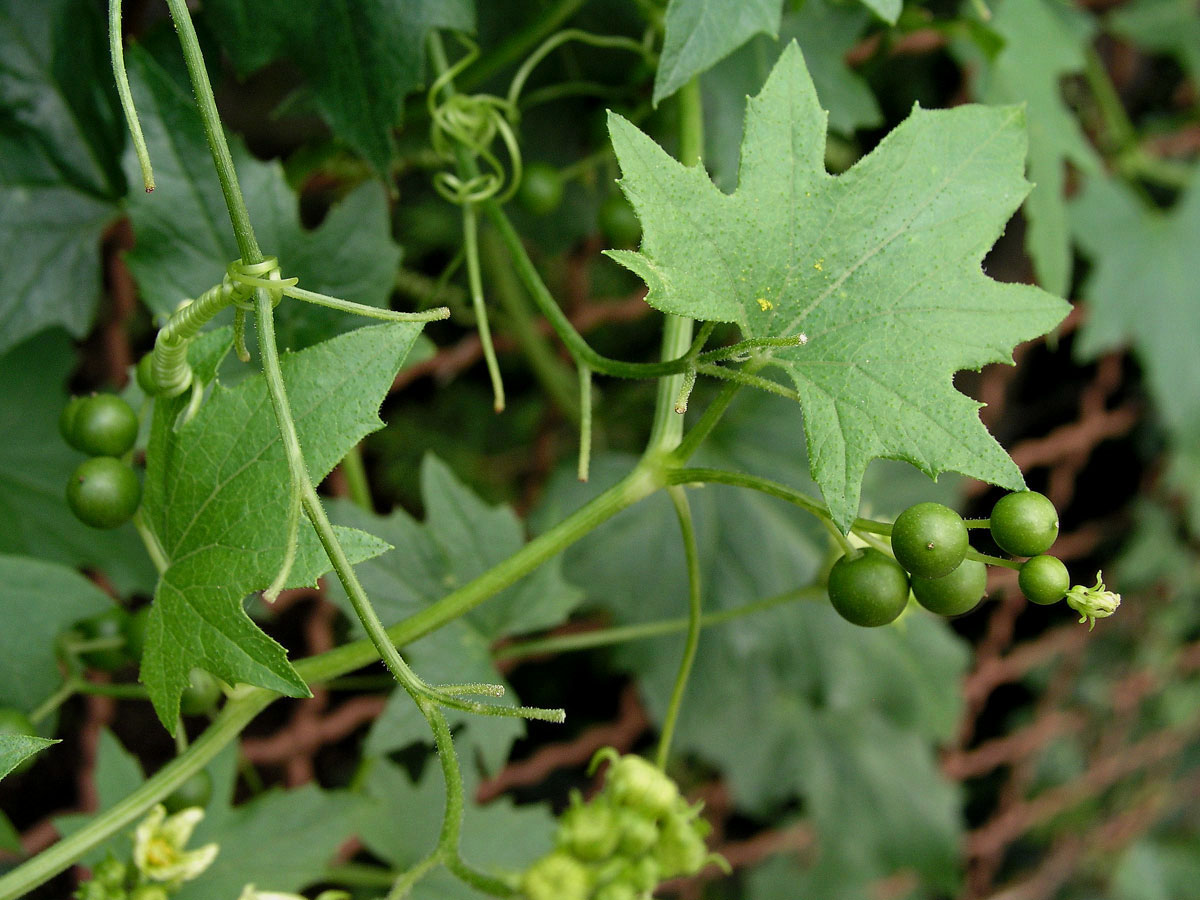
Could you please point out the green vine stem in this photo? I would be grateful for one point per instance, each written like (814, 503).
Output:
(520, 43)
(557, 40)
(117, 51)
(687, 531)
(355, 473)
(552, 373)
(608, 637)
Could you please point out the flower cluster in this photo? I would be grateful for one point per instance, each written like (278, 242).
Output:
(160, 863)
(634, 834)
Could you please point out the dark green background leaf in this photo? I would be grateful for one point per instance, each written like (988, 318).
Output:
(39, 602)
(461, 538)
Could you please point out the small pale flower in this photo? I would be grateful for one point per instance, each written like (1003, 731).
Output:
(158, 846)
(249, 893)
(1093, 603)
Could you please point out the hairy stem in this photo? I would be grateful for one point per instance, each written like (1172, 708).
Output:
(687, 530)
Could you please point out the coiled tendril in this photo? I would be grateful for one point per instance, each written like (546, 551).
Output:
(170, 369)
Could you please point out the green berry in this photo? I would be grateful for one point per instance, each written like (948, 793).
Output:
(149, 892)
(107, 626)
(201, 694)
(618, 222)
(66, 420)
(541, 189)
(196, 791)
(868, 588)
(953, 594)
(103, 492)
(1044, 580)
(929, 540)
(145, 375)
(1024, 523)
(135, 632)
(104, 425)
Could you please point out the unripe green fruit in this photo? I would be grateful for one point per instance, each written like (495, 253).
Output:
(104, 425)
(618, 222)
(103, 492)
(201, 694)
(109, 624)
(953, 594)
(1044, 580)
(1024, 523)
(929, 540)
(868, 588)
(135, 632)
(145, 375)
(66, 420)
(541, 189)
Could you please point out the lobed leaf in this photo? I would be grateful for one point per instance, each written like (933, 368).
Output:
(879, 269)
(216, 502)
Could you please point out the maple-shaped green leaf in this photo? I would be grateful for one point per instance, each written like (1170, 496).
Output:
(460, 539)
(216, 502)
(1043, 43)
(879, 269)
(46, 599)
(185, 241)
(1142, 290)
(16, 748)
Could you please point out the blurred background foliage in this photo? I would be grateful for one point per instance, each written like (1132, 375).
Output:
(1008, 754)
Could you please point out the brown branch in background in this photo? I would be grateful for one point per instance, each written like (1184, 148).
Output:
(1005, 750)
(122, 292)
(997, 833)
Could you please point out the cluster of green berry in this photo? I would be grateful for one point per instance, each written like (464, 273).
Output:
(541, 192)
(635, 833)
(103, 491)
(115, 880)
(929, 544)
